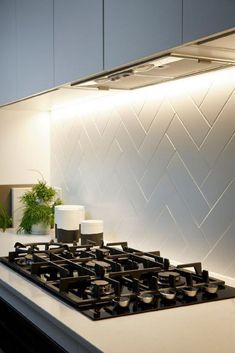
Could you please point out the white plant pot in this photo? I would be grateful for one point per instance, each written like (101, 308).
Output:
(40, 229)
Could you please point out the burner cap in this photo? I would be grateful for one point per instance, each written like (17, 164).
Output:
(100, 282)
(26, 260)
(164, 276)
(21, 262)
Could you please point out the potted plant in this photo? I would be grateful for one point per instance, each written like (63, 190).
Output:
(5, 220)
(38, 216)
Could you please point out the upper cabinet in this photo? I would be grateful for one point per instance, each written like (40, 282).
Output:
(48, 43)
(34, 37)
(202, 18)
(78, 39)
(8, 52)
(134, 29)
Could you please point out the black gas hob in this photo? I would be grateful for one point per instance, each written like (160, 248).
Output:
(114, 280)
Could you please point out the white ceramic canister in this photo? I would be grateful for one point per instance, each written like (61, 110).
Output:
(67, 222)
(92, 229)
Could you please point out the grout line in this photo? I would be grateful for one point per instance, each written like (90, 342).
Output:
(203, 117)
(217, 118)
(197, 187)
(216, 243)
(165, 133)
(163, 175)
(194, 181)
(200, 112)
(206, 178)
(152, 122)
(177, 226)
(216, 160)
(217, 201)
(204, 236)
(206, 94)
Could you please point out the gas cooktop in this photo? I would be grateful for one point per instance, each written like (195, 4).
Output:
(114, 280)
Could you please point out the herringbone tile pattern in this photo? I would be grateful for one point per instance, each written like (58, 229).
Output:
(158, 165)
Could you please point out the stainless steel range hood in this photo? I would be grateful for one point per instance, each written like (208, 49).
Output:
(184, 61)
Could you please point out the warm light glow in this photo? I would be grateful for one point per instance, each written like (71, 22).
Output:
(74, 96)
(194, 83)
(98, 101)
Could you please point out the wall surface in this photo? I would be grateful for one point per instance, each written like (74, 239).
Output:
(158, 165)
(24, 145)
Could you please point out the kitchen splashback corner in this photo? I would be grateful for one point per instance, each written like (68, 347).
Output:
(157, 165)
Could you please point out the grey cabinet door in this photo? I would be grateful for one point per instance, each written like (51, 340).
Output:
(8, 52)
(78, 39)
(204, 17)
(34, 24)
(136, 28)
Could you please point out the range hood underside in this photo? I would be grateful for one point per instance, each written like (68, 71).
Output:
(184, 61)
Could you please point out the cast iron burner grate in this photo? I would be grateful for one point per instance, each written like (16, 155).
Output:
(113, 280)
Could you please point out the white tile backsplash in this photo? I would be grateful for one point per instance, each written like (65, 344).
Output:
(220, 132)
(156, 131)
(221, 174)
(191, 116)
(216, 98)
(190, 154)
(157, 165)
(187, 189)
(132, 123)
(148, 110)
(220, 216)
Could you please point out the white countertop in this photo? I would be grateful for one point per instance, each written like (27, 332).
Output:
(207, 328)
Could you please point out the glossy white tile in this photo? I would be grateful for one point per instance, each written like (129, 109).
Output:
(157, 164)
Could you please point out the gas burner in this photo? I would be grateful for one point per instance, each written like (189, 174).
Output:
(168, 294)
(164, 276)
(100, 288)
(190, 292)
(122, 302)
(25, 261)
(167, 278)
(146, 298)
(113, 280)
